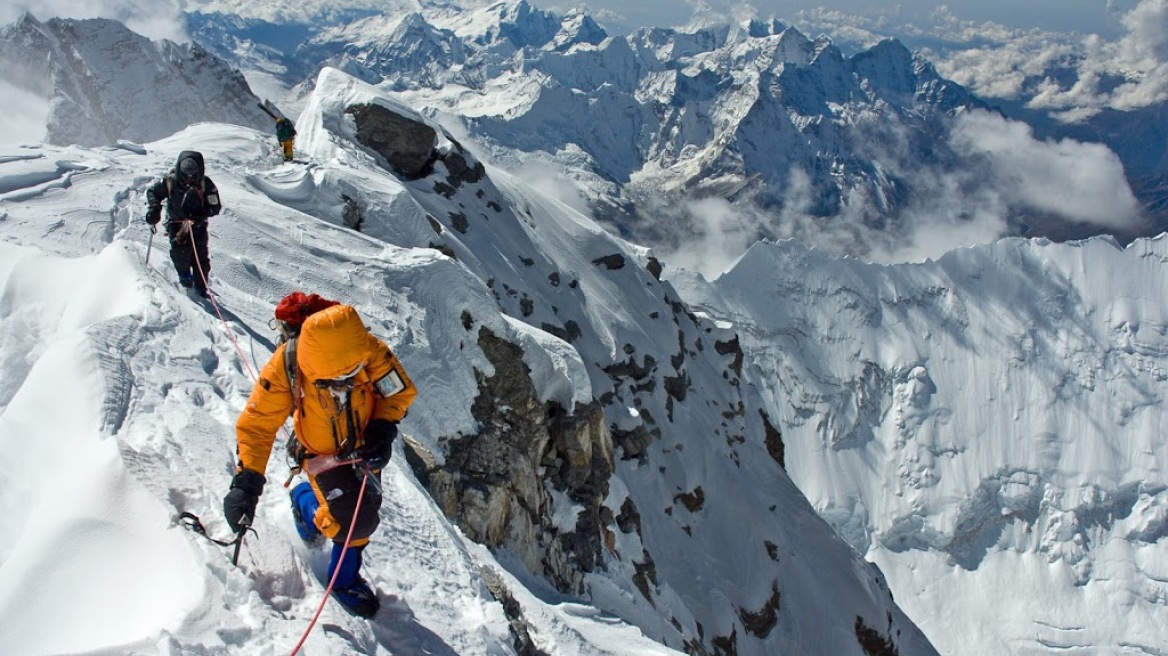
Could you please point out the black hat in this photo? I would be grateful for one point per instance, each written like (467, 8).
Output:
(189, 168)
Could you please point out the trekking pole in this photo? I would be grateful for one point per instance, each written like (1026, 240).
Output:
(150, 244)
(244, 522)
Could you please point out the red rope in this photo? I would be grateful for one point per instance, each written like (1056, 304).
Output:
(336, 572)
(243, 358)
(211, 297)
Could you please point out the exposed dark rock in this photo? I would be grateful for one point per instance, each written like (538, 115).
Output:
(524, 645)
(645, 574)
(654, 267)
(351, 215)
(458, 222)
(693, 501)
(459, 171)
(570, 332)
(407, 145)
(444, 249)
(630, 368)
(629, 519)
(872, 642)
(772, 550)
(494, 484)
(760, 623)
(774, 441)
(726, 348)
(726, 645)
(435, 224)
(676, 386)
(611, 262)
(632, 442)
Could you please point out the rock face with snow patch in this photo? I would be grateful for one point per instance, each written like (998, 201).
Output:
(107, 83)
(495, 484)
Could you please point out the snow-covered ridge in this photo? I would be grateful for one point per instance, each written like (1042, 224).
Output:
(457, 270)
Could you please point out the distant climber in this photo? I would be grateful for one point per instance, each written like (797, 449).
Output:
(286, 134)
(190, 198)
(346, 392)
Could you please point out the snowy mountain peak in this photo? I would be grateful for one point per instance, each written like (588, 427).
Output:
(756, 28)
(517, 23)
(95, 72)
(577, 28)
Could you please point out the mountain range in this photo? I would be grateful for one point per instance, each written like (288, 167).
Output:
(797, 137)
(616, 431)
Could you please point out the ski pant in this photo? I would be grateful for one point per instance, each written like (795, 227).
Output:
(307, 505)
(287, 144)
(188, 251)
(332, 507)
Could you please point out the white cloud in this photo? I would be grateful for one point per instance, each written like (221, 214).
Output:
(722, 232)
(1003, 175)
(151, 18)
(24, 117)
(1079, 182)
(1022, 63)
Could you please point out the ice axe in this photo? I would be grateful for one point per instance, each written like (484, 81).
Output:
(150, 244)
(244, 524)
(192, 522)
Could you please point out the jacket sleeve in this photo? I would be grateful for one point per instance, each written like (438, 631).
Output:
(267, 409)
(383, 364)
(156, 194)
(211, 197)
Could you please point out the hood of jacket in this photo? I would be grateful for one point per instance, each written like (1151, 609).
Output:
(192, 154)
(333, 342)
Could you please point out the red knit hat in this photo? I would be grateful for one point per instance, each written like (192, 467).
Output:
(294, 308)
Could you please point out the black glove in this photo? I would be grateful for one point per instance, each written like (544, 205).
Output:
(154, 214)
(241, 500)
(378, 447)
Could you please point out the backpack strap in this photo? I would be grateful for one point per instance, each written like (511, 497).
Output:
(292, 370)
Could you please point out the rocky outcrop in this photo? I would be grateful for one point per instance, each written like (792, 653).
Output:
(407, 145)
(505, 485)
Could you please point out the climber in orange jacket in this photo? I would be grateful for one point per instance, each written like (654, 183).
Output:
(346, 392)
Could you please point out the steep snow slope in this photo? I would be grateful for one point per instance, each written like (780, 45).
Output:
(988, 428)
(702, 541)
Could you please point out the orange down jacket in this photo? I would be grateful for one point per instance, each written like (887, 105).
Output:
(333, 342)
